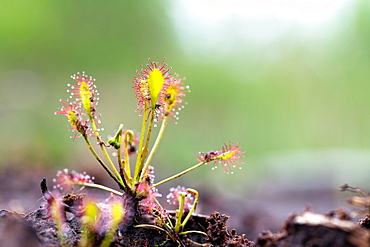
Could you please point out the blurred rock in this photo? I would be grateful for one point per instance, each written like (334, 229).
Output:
(15, 232)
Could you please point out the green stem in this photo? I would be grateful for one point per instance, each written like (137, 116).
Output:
(152, 226)
(104, 150)
(144, 152)
(179, 174)
(119, 159)
(189, 232)
(99, 186)
(141, 144)
(191, 211)
(125, 178)
(180, 212)
(166, 219)
(127, 168)
(156, 144)
(102, 163)
(148, 135)
(110, 162)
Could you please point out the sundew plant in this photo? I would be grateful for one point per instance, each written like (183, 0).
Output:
(127, 156)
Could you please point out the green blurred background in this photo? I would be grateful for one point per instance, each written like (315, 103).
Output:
(290, 81)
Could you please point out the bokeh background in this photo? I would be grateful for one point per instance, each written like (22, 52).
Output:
(288, 79)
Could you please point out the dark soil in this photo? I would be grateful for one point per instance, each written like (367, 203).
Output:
(36, 229)
(308, 229)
